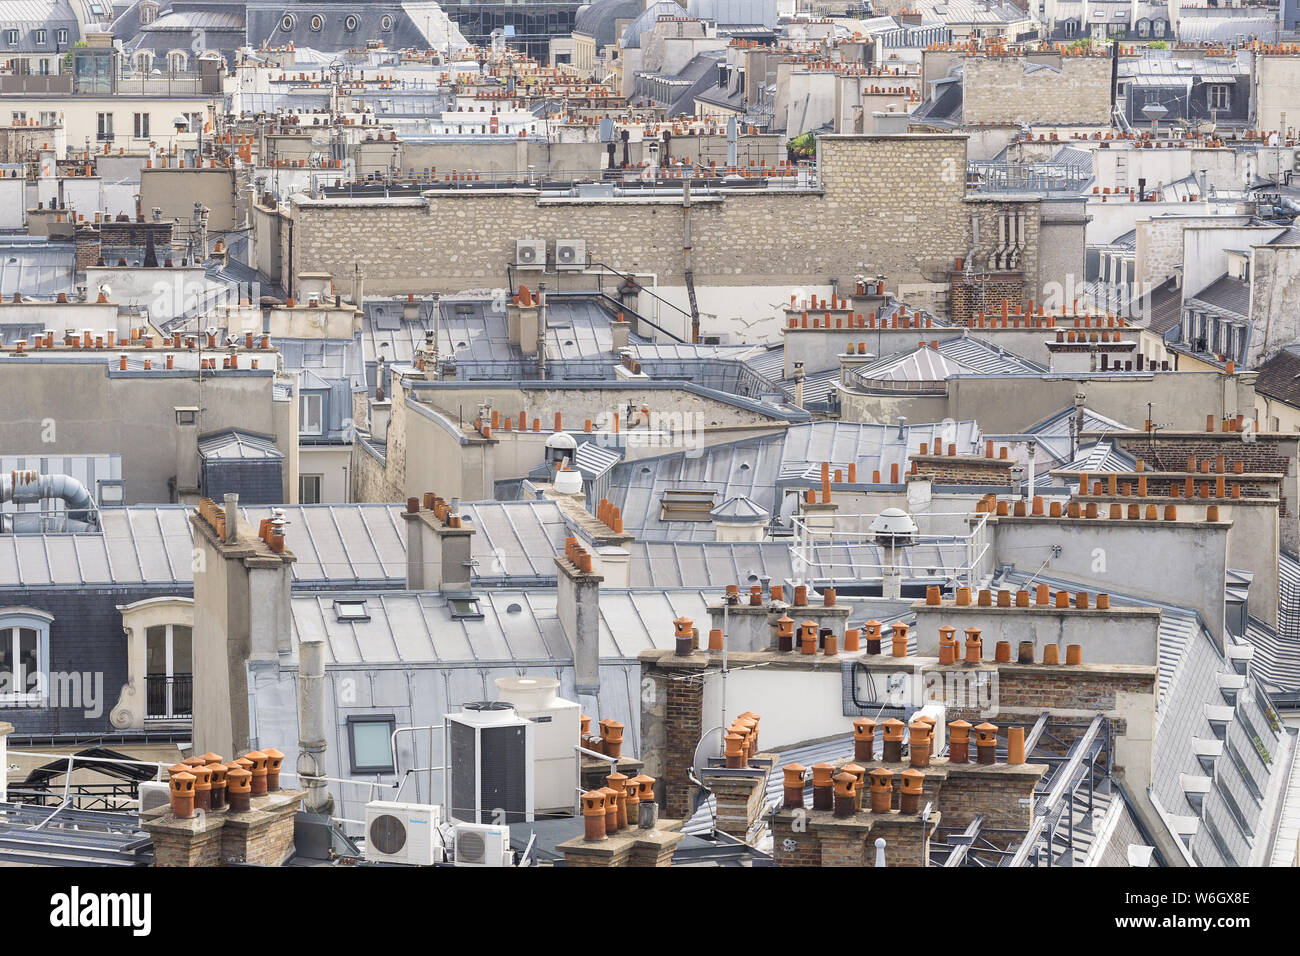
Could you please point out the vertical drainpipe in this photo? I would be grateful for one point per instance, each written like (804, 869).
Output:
(1033, 447)
(311, 727)
(687, 261)
(541, 330)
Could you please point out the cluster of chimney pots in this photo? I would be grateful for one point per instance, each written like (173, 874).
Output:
(623, 802)
(205, 784)
(840, 790)
(608, 742)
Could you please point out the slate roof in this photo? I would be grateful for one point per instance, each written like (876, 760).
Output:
(1279, 376)
(1226, 294)
(1162, 307)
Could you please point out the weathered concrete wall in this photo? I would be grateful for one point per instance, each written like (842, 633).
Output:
(1276, 79)
(1008, 404)
(86, 408)
(1103, 553)
(1013, 89)
(1119, 635)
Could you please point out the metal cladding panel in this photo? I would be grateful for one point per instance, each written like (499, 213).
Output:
(464, 753)
(489, 773)
(503, 780)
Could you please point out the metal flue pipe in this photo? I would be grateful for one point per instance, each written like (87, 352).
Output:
(311, 727)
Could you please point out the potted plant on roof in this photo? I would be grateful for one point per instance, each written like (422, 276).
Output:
(802, 147)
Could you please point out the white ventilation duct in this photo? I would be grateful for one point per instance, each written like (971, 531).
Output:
(31, 487)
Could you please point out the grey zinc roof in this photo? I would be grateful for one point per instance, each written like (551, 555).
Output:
(1277, 658)
(712, 563)
(474, 330)
(1053, 433)
(956, 355)
(336, 546)
(236, 444)
(740, 509)
(519, 627)
(761, 468)
(36, 267)
(594, 460)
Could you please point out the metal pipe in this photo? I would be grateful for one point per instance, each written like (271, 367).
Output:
(27, 487)
(311, 726)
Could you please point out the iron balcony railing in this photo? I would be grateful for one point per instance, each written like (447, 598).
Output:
(169, 698)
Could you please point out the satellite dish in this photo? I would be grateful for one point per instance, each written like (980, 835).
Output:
(710, 745)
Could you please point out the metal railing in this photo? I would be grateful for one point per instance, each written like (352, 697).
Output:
(832, 548)
(988, 176)
(169, 698)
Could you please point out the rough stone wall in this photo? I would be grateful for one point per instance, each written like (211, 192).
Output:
(891, 204)
(1159, 251)
(1273, 293)
(999, 90)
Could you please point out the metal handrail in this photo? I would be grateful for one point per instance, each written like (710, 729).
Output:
(612, 761)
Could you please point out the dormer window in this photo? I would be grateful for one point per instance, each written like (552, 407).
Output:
(148, 12)
(24, 656)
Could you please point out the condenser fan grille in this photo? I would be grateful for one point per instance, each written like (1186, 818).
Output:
(470, 847)
(387, 834)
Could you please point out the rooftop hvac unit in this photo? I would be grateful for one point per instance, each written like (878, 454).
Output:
(154, 794)
(556, 727)
(570, 254)
(403, 833)
(530, 253)
(491, 750)
(478, 845)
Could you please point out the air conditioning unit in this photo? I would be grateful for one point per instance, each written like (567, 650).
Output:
(403, 833)
(530, 254)
(491, 764)
(556, 727)
(476, 844)
(570, 254)
(154, 794)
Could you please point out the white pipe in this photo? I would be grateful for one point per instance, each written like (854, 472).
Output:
(311, 726)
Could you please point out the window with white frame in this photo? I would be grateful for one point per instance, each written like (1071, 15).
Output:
(38, 37)
(1220, 96)
(104, 127)
(24, 657)
(169, 678)
(61, 37)
(310, 413)
(12, 37)
(141, 126)
(49, 118)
